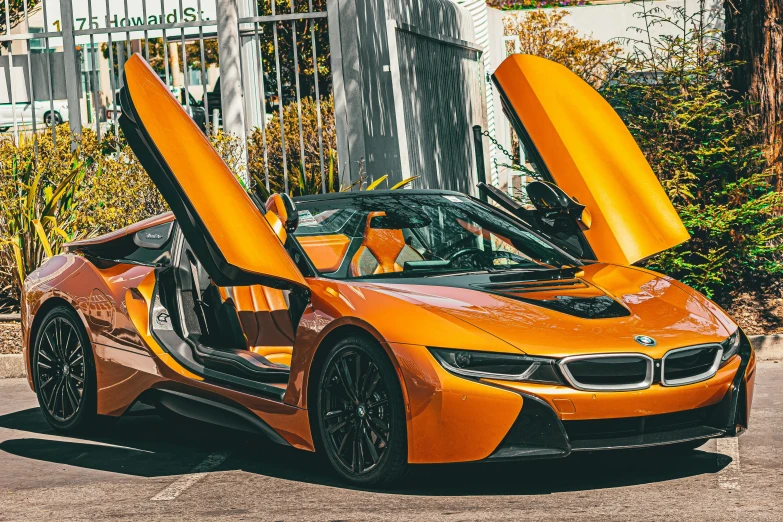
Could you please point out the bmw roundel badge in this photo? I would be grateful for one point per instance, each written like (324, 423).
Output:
(645, 340)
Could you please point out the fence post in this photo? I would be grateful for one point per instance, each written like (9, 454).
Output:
(478, 148)
(346, 85)
(231, 98)
(72, 75)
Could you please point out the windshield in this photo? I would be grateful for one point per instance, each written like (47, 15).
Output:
(409, 235)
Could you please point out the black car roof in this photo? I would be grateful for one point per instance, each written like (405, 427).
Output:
(376, 193)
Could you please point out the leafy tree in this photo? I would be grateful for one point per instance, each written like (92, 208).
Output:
(546, 34)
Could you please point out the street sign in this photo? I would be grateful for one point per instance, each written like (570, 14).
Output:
(183, 13)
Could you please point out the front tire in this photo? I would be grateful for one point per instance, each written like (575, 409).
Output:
(64, 374)
(361, 414)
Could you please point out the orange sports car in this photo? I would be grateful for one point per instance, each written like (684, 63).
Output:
(389, 328)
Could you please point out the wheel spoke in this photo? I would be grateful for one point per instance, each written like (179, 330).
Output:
(44, 365)
(73, 401)
(76, 354)
(381, 402)
(345, 379)
(371, 447)
(79, 379)
(53, 397)
(334, 413)
(358, 374)
(45, 383)
(51, 345)
(379, 423)
(361, 447)
(377, 434)
(336, 427)
(354, 453)
(342, 444)
(76, 391)
(371, 387)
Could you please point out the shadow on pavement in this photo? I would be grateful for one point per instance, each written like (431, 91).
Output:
(142, 444)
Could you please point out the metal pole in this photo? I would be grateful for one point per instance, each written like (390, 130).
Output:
(72, 75)
(231, 76)
(478, 148)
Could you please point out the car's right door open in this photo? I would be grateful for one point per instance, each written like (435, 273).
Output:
(577, 141)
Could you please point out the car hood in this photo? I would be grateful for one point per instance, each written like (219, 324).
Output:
(640, 302)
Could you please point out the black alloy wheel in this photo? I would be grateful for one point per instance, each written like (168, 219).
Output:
(361, 413)
(64, 372)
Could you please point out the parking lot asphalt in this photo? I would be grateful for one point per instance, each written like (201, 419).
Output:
(151, 469)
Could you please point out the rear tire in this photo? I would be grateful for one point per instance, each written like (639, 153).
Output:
(63, 368)
(361, 414)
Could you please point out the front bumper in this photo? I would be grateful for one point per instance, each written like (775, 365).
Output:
(452, 419)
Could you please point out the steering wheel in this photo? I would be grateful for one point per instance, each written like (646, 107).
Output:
(465, 251)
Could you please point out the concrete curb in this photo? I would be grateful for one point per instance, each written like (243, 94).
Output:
(12, 366)
(7, 318)
(768, 348)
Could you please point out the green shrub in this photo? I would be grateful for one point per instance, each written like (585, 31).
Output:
(298, 184)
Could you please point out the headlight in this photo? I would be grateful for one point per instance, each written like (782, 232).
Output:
(731, 345)
(501, 366)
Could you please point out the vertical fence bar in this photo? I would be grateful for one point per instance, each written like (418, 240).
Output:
(165, 42)
(30, 80)
(147, 33)
(112, 82)
(184, 67)
(72, 76)
(12, 91)
(49, 76)
(204, 79)
(93, 83)
(280, 99)
(317, 99)
(298, 96)
(260, 71)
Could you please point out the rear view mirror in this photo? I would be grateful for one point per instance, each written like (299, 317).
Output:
(550, 200)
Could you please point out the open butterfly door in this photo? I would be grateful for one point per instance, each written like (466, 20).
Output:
(576, 141)
(225, 229)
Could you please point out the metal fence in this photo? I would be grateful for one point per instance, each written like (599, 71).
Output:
(63, 60)
(354, 88)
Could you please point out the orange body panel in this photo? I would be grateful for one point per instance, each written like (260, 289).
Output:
(592, 156)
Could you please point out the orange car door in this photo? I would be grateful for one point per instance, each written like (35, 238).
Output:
(576, 140)
(225, 229)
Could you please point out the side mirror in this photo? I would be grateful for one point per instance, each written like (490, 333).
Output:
(551, 201)
(284, 208)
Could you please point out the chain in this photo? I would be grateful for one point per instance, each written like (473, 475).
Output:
(513, 165)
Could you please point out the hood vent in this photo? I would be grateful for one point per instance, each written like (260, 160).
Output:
(570, 296)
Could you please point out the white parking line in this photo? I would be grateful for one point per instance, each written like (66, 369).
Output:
(729, 477)
(174, 489)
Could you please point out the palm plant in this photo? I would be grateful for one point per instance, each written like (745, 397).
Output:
(39, 217)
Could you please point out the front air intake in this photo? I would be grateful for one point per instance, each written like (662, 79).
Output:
(608, 372)
(691, 364)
